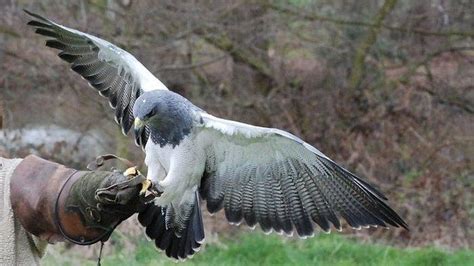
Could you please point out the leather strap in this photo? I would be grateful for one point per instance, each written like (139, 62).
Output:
(101, 159)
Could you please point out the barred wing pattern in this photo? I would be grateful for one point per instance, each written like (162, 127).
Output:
(270, 177)
(154, 218)
(113, 72)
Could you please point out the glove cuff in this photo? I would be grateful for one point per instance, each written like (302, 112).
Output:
(55, 203)
(77, 214)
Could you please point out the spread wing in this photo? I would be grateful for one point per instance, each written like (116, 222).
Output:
(113, 72)
(270, 177)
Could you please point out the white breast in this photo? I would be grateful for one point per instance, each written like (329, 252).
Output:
(177, 170)
(156, 154)
(182, 165)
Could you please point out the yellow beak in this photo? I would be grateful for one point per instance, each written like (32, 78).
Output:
(138, 123)
(138, 126)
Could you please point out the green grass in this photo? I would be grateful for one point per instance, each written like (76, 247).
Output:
(259, 249)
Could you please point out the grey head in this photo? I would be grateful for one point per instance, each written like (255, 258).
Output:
(168, 116)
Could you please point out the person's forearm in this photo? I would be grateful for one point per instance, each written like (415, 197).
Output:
(57, 203)
(34, 187)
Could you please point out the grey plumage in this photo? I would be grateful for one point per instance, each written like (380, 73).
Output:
(102, 68)
(189, 242)
(288, 192)
(170, 116)
(258, 175)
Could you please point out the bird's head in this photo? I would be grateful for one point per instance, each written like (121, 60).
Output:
(168, 115)
(146, 110)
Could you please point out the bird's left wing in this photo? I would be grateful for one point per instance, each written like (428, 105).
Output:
(270, 177)
(113, 72)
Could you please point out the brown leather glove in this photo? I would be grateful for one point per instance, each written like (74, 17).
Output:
(55, 203)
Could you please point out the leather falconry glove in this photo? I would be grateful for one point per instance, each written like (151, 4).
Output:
(57, 203)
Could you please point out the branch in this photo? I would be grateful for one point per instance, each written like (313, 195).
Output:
(192, 66)
(414, 66)
(453, 99)
(225, 44)
(343, 22)
(8, 31)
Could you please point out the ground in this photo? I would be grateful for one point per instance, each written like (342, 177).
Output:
(259, 249)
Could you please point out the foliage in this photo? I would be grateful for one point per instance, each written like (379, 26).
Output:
(259, 249)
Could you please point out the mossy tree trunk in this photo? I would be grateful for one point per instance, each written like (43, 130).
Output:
(358, 65)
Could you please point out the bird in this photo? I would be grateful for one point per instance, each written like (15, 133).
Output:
(257, 175)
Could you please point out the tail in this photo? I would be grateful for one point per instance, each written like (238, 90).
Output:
(190, 238)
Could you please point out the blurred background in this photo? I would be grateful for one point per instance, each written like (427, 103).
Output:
(384, 87)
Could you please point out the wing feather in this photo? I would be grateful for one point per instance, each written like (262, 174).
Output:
(113, 72)
(279, 211)
(155, 219)
(261, 200)
(233, 208)
(270, 177)
(248, 198)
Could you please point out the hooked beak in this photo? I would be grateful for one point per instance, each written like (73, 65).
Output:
(138, 126)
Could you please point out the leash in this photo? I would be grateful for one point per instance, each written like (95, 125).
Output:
(101, 159)
(100, 252)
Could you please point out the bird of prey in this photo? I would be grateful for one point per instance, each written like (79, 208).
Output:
(259, 175)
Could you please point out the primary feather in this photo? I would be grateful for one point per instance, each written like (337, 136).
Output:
(113, 72)
(270, 177)
(259, 175)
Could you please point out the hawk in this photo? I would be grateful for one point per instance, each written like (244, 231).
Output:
(259, 175)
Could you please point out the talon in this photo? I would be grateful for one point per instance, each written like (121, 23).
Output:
(132, 171)
(145, 185)
(156, 190)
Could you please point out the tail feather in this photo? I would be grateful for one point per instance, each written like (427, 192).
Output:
(153, 217)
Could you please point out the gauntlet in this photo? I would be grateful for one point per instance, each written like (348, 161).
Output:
(57, 203)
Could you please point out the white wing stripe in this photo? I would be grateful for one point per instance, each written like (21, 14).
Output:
(108, 51)
(231, 128)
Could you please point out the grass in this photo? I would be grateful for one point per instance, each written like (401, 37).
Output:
(259, 249)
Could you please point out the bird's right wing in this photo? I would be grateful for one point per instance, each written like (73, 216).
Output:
(270, 177)
(113, 72)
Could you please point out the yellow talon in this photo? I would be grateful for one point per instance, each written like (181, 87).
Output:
(145, 185)
(132, 171)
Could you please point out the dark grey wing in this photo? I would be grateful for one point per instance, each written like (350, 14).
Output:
(157, 220)
(113, 72)
(270, 177)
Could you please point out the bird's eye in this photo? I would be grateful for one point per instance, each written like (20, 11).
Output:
(150, 114)
(147, 116)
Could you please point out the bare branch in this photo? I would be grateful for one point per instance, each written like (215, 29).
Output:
(344, 22)
(192, 66)
(225, 44)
